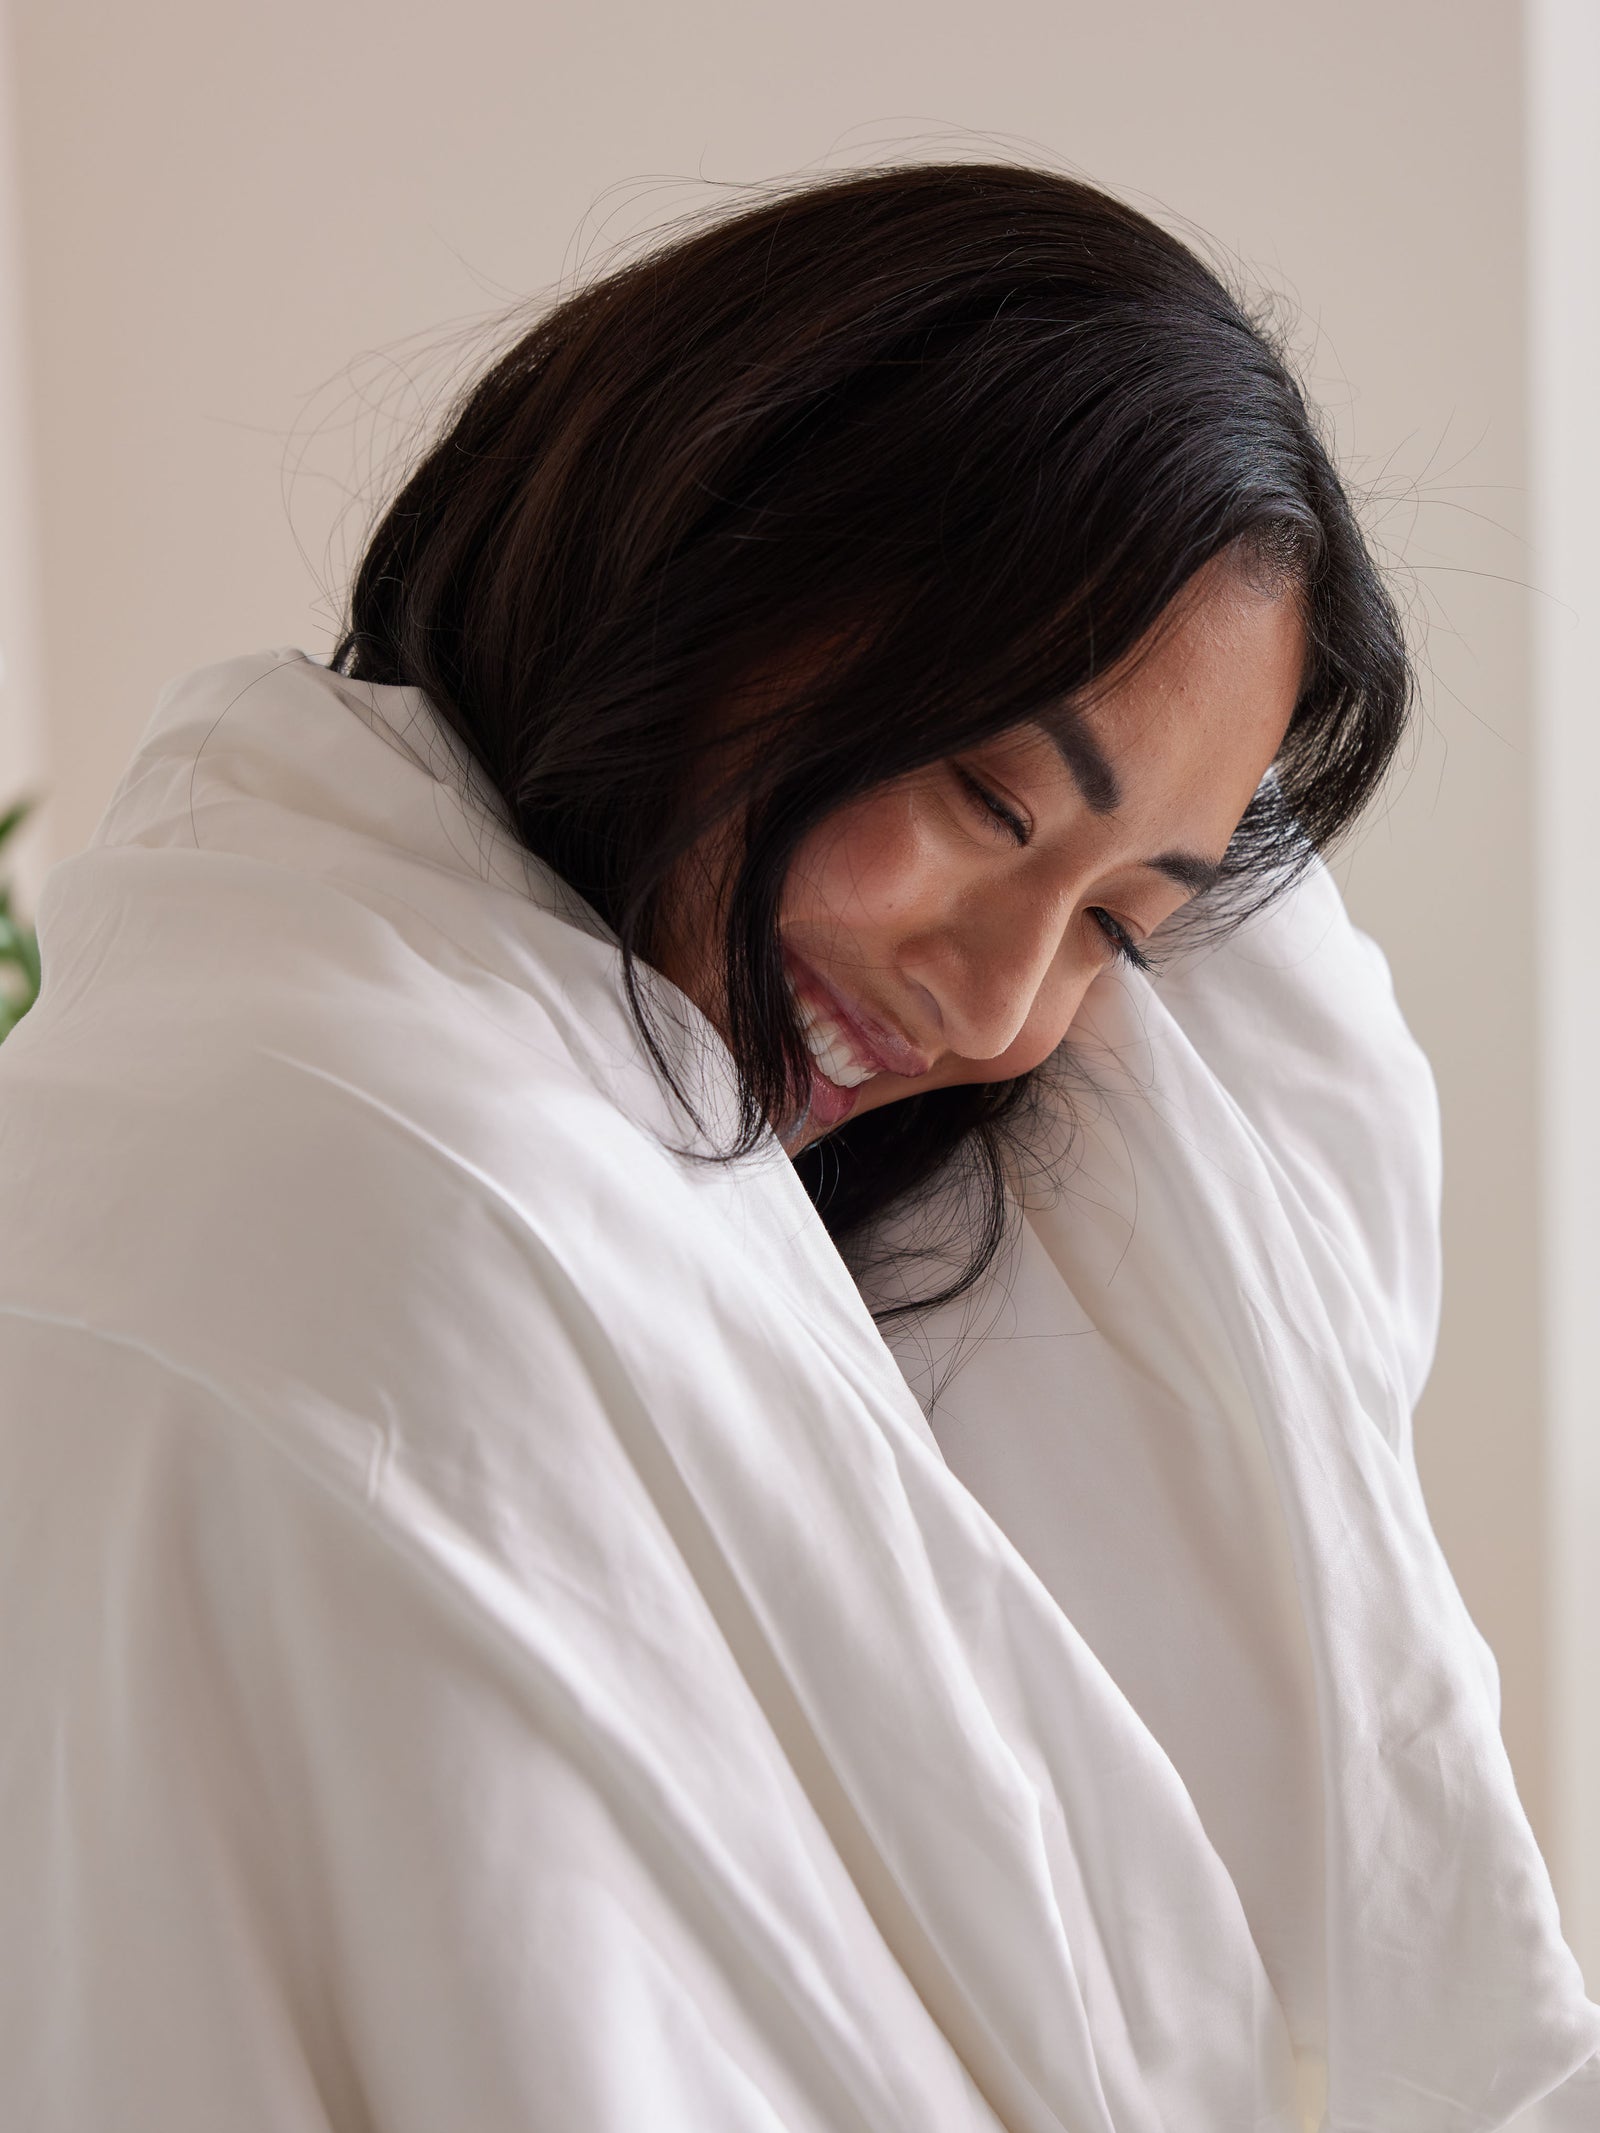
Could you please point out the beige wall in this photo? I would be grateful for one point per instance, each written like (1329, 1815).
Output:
(225, 205)
(1563, 335)
(22, 736)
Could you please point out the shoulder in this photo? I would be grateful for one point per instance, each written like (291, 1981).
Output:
(305, 1151)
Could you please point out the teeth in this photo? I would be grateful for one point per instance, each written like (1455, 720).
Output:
(830, 1048)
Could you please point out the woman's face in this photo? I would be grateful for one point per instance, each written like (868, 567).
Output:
(944, 928)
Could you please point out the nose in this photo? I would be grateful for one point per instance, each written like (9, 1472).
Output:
(1004, 971)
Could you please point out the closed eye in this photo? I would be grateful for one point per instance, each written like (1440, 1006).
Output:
(993, 806)
(1120, 938)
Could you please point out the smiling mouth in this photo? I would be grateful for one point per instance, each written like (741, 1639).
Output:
(847, 1047)
(831, 1051)
(837, 1073)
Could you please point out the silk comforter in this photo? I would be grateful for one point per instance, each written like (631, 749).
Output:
(493, 1638)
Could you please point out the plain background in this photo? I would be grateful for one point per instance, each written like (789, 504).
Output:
(238, 249)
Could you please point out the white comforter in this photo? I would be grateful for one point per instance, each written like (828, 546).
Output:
(492, 1642)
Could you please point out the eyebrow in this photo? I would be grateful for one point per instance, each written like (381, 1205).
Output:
(1187, 869)
(1091, 773)
(1102, 795)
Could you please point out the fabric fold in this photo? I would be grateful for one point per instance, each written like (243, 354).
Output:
(605, 1695)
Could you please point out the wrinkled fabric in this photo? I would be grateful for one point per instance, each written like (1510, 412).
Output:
(492, 1636)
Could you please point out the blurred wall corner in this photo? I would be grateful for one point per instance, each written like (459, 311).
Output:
(24, 770)
(1563, 325)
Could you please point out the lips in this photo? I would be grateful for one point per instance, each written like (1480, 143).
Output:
(848, 1045)
(829, 1046)
(830, 1105)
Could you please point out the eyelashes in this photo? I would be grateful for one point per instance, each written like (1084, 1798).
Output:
(1120, 938)
(1127, 950)
(994, 806)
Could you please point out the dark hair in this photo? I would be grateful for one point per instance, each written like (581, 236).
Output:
(968, 429)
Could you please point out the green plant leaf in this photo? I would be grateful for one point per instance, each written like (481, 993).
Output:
(14, 816)
(19, 944)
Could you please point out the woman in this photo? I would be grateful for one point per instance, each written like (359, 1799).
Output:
(826, 768)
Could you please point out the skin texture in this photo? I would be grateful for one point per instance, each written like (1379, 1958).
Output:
(956, 953)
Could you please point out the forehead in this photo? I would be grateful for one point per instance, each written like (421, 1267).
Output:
(1217, 682)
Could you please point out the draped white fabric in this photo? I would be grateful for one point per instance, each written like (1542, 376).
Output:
(491, 1639)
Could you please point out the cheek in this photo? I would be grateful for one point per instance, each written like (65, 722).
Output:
(869, 869)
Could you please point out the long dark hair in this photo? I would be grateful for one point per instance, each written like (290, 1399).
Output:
(969, 429)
